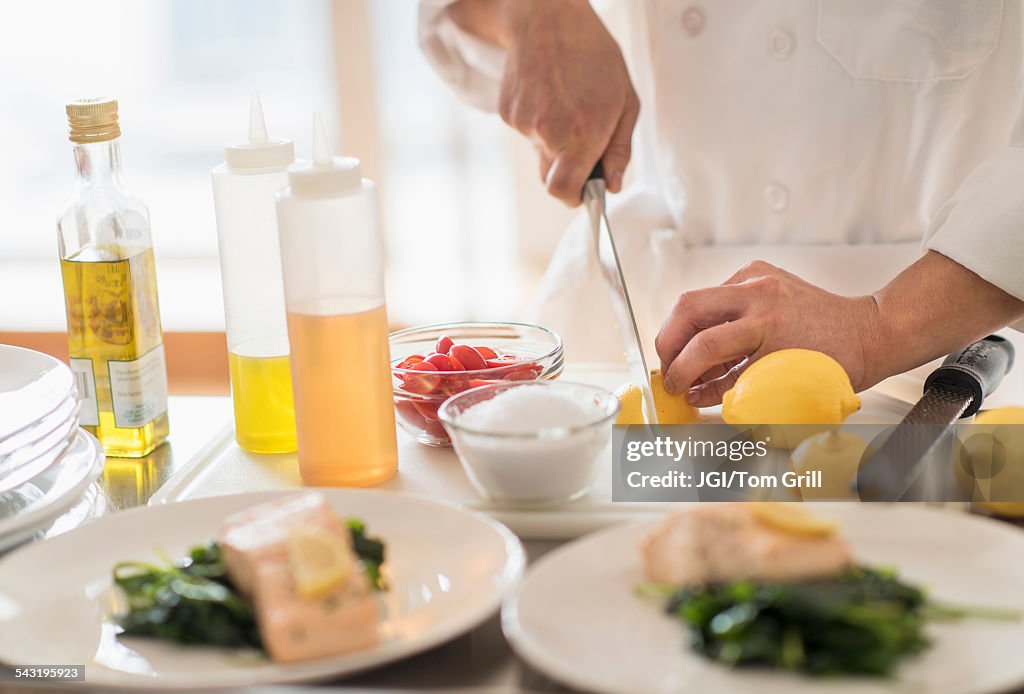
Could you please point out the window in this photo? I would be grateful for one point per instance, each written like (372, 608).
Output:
(451, 179)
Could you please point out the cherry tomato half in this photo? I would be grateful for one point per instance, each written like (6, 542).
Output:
(452, 382)
(409, 361)
(440, 361)
(469, 357)
(486, 352)
(503, 360)
(421, 384)
(428, 410)
(444, 344)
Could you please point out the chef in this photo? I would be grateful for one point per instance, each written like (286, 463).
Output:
(840, 175)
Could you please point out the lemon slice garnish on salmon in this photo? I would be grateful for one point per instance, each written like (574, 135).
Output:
(792, 518)
(320, 561)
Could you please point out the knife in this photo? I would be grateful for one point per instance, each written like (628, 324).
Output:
(954, 390)
(611, 270)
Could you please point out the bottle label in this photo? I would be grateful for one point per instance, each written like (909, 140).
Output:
(85, 384)
(138, 388)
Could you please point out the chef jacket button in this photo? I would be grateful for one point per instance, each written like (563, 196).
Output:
(782, 43)
(693, 21)
(776, 197)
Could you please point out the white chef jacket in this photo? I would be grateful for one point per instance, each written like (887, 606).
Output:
(835, 138)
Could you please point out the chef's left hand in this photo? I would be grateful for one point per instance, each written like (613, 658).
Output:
(933, 307)
(712, 334)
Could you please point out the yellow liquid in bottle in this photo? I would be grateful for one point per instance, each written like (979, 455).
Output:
(261, 390)
(343, 408)
(114, 316)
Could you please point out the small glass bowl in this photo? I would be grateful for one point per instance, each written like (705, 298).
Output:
(418, 394)
(543, 467)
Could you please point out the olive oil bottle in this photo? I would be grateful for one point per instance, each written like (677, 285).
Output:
(113, 315)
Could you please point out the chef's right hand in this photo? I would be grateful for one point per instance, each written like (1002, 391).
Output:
(565, 86)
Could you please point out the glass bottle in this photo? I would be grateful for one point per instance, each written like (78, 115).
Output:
(113, 315)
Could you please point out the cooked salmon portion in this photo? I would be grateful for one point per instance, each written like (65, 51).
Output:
(717, 543)
(254, 544)
(257, 534)
(294, 628)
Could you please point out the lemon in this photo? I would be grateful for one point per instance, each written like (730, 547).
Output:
(990, 448)
(837, 455)
(320, 561)
(792, 519)
(789, 395)
(671, 409)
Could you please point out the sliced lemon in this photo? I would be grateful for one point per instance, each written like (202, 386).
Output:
(671, 409)
(320, 561)
(792, 519)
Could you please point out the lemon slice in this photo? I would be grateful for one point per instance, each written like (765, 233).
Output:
(792, 519)
(320, 561)
(671, 409)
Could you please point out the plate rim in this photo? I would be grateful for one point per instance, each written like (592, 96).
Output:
(512, 569)
(67, 440)
(524, 647)
(61, 366)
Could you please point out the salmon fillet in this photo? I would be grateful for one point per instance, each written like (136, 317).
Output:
(253, 544)
(257, 535)
(717, 543)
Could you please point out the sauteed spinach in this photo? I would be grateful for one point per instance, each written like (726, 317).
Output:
(192, 601)
(863, 622)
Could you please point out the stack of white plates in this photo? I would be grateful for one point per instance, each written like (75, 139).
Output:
(47, 463)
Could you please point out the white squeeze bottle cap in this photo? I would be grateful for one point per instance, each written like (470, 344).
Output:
(327, 175)
(260, 152)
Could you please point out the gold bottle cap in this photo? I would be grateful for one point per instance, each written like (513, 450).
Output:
(93, 120)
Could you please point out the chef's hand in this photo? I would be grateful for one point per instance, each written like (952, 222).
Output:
(931, 309)
(712, 334)
(565, 86)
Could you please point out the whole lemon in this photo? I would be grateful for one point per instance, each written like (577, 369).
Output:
(992, 449)
(789, 395)
(671, 409)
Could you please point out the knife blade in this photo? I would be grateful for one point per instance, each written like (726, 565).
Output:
(611, 271)
(954, 390)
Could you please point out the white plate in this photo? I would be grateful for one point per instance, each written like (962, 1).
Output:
(575, 616)
(40, 427)
(449, 570)
(33, 459)
(53, 492)
(32, 385)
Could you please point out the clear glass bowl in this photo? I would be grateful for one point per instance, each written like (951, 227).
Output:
(418, 394)
(541, 467)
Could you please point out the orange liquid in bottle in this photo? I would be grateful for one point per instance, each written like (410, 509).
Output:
(341, 375)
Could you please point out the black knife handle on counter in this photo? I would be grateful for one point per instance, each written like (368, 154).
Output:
(977, 368)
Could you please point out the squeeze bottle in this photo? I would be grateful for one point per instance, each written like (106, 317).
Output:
(244, 187)
(332, 256)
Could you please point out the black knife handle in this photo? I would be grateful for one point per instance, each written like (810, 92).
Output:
(977, 368)
(597, 171)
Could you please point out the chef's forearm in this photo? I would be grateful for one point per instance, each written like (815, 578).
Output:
(494, 21)
(932, 308)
